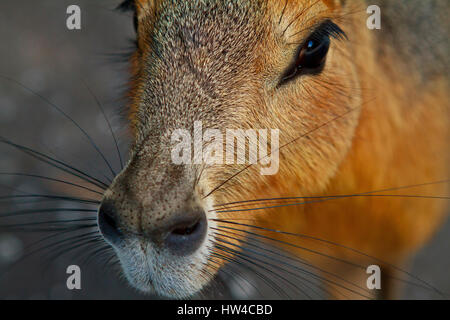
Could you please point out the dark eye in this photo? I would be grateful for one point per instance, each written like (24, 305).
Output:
(310, 58)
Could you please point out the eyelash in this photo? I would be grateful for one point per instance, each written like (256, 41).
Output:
(321, 38)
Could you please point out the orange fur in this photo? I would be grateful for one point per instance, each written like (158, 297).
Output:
(392, 132)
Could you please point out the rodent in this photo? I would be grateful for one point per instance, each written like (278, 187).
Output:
(370, 106)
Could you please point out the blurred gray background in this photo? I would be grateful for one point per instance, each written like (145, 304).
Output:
(37, 50)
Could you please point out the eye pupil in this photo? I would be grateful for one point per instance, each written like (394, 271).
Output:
(310, 59)
(311, 56)
(315, 51)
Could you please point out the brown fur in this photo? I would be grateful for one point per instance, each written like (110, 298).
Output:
(385, 128)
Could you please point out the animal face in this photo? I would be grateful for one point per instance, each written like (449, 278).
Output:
(235, 64)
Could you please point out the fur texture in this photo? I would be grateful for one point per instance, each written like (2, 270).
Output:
(375, 118)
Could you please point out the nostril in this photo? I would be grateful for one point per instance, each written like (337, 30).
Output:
(187, 234)
(107, 222)
(186, 231)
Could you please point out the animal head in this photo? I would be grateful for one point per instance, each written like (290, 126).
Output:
(224, 65)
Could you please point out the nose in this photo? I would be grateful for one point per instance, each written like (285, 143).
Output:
(182, 233)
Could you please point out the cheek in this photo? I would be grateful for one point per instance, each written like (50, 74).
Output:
(317, 117)
(331, 104)
(333, 118)
(316, 123)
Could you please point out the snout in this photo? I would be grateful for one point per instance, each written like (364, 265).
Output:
(182, 233)
(157, 221)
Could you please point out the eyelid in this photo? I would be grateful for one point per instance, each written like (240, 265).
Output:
(325, 29)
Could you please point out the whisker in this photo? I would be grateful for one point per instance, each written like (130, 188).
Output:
(206, 275)
(327, 198)
(107, 121)
(317, 277)
(283, 12)
(51, 210)
(236, 275)
(252, 260)
(56, 222)
(51, 197)
(65, 250)
(55, 152)
(108, 261)
(65, 115)
(350, 195)
(299, 15)
(302, 261)
(69, 229)
(428, 286)
(50, 179)
(56, 164)
(283, 146)
(338, 18)
(273, 285)
(97, 253)
(69, 241)
(9, 268)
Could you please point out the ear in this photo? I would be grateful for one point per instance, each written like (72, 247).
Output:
(334, 4)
